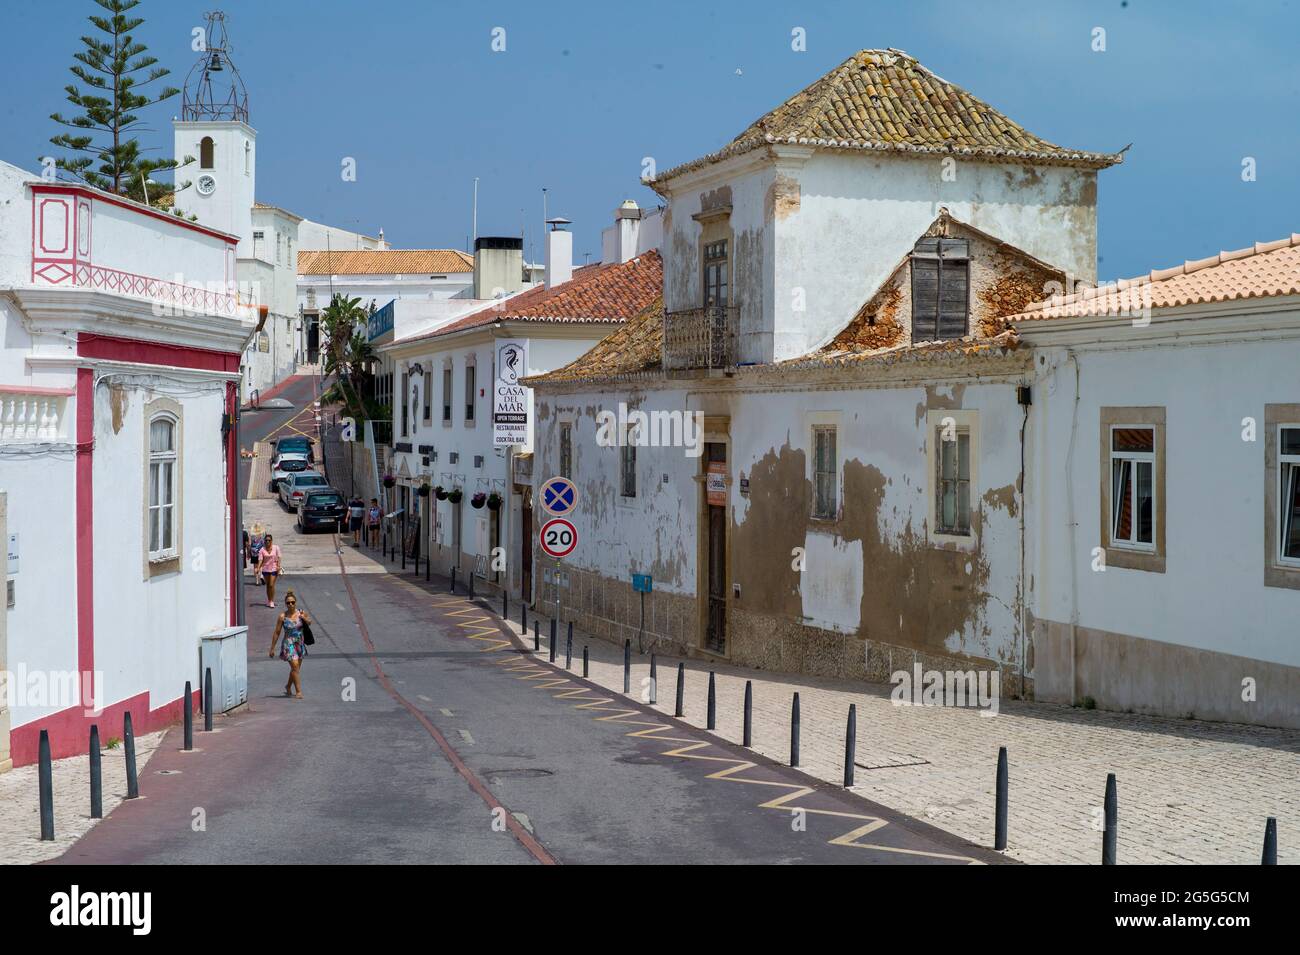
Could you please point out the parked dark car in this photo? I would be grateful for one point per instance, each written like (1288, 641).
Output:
(322, 508)
(293, 442)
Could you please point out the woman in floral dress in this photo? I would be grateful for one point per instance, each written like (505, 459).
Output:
(292, 649)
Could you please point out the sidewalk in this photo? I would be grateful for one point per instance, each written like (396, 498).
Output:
(1189, 791)
(20, 801)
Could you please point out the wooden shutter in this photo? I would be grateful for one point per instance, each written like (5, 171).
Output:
(925, 299)
(954, 279)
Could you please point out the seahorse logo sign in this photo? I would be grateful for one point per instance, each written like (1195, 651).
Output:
(510, 361)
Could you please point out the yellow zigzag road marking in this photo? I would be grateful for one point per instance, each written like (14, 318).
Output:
(544, 678)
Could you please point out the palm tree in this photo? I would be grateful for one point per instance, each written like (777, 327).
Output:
(348, 353)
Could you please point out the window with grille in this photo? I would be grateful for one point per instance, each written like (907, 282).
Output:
(940, 289)
(428, 396)
(446, 394)
(825, 473)
(1133, 487)
(469, 392)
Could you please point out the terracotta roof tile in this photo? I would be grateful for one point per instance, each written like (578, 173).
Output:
(604, 293)
(1266, 269)
(886, 100)
(385, 262)
(634, 347)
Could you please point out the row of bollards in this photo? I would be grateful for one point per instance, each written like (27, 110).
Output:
(1110, 806)
(45, 775)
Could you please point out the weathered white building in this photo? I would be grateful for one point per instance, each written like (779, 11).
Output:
(118, 389)
(853, 500)
(448, 430)
(1164, 523)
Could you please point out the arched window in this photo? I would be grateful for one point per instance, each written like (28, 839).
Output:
(162, 486)
(205, 152)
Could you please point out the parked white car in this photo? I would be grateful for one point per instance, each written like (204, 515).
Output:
(290, 462)
(293, 486)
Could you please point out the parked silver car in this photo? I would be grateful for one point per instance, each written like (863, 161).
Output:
(294, 485)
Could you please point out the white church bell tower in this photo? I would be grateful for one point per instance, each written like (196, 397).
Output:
(213, 131)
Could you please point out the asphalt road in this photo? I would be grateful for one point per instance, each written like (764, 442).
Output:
(428, 734)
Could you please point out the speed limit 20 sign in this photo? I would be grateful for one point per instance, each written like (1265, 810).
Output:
(558, 538)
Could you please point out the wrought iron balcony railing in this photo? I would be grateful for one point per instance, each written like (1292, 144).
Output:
(701, 337)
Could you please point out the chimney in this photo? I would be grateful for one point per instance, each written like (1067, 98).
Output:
(498, 265)
(559, 253)
(627, 227)
(382, 245)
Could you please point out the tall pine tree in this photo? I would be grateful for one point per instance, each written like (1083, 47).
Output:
(105, 151)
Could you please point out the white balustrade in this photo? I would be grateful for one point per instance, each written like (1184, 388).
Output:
(31, 418)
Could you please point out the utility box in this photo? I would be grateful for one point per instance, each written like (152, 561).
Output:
(226, 652)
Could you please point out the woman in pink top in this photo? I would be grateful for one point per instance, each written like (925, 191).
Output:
(268, 565)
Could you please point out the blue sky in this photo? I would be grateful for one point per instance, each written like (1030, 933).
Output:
(584, 91)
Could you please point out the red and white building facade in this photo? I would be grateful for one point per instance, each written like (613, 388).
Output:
(120, 344)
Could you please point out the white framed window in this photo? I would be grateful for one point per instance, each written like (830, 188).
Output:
(1133, 506)
(825, 472)
(164, 463)
(1288, 511)
(471, 387)
(952, 452)
(446, 394)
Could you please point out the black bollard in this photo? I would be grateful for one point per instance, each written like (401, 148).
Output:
(453, 580)
(1110, 835)
(654, 679)
(1270, 842)
(570, 632)
(551, 642)
(713, 704)
(505, 605)
(568, 652)
(128, 742)
(523, 616)
(46, 782)
(537, 637)
(207, 699)
(850, 744)
(681, 688)
(794, 731)
(749, 713)
(96, 775)
(1000, 820)
(189, 717)
(627, 666)
(585, 660)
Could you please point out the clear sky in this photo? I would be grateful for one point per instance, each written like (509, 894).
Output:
(584, 91)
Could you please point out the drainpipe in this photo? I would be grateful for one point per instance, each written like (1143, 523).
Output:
(1024, 622)
(1072, 525)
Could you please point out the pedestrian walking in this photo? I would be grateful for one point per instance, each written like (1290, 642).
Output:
(256, 541)
(373, 516)
(356, 518)
(268, 567)
(295, 627)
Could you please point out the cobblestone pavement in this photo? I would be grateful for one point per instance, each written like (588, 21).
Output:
(1189, 791)
(20, 809)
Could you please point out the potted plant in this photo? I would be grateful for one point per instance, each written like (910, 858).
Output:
(478, 500)
(494, 501)
(389, 480)
(423, 490)
(454, 495)
(440, 493)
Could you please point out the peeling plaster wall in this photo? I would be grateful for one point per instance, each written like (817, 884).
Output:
(859, 214)
(1178, 642)
(873, 578)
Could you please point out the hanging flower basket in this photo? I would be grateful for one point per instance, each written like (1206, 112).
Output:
(494, 501)
(423, 490)
(478, 500)
(440, 493)
(389, 480)
(454, 495)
